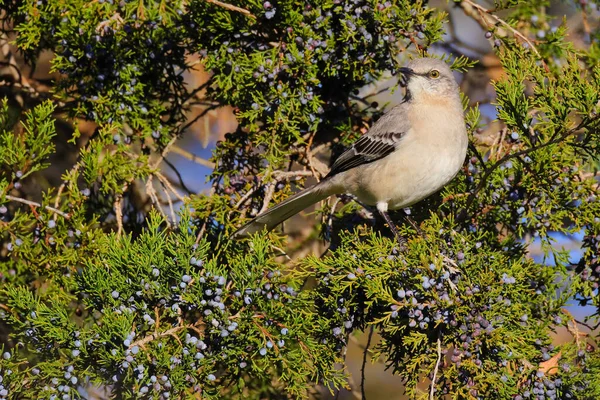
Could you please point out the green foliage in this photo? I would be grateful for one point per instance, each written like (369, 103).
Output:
(99, 288)
(25, 151)
(162, 308)
(491, 317)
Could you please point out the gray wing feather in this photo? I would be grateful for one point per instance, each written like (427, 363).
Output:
(381, 140)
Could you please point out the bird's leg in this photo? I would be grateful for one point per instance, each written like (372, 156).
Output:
(413, 223)
(382, 208)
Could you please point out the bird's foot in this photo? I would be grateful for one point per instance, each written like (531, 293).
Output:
(414, 224)
(402, 242)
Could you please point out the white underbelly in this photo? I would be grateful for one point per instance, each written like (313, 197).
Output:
(408, 176)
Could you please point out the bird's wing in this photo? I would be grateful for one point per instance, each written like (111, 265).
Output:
(381, 140)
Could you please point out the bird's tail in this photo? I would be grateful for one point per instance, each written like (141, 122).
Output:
(286, 209)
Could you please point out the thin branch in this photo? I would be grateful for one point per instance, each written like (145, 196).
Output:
(288, 175)
(8, 55)
(33, 92)
(168, 185)
(34, 204)
(74, 170)
(268, 196)
(498, 151)
(592, 328)
(244, 198)
(197, 117)
(435, 370)
(179, 177)
(193, 157)
(154, 198)
(174, 218)
(165, 151)
(119, 214)
(309, 156)
(198, 89)
(283, 253)
(209, 211)
(474, 10)
(116, 19)
(232, 8)
(270, 187)
(156, 335)
(364, 363)
(331, 212)
(452, 268)
(477, 153)
(490, 170)
(18, 76)
(178, 135)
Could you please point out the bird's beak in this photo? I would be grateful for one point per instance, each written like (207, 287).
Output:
(406, 74)
(406, 71)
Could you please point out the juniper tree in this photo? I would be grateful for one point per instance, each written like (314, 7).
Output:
(102, 285)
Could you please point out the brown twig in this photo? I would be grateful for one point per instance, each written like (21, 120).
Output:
(163, 181)
(488, 172)
(266, 334)
(278, 176)
(435, 370)
(232, 8)
(288, 175)
(331, 212)
(585, 22)
(179, 176)
(309, 157)
(573, 329)
(453, 197)
(106, 23)
(364, 363)
(203, 229)
(119, 214)
(34, 204)
(8, 55)
(168, 185)
(154, 198)
(268, 196)
(475, 10)
(503, 133)
(192, 157)
(452, 267)
(282, 253)
(156, 335)
(165, 151)
(244, 198)
(61, 188)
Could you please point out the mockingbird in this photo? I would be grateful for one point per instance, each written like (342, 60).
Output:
(410, 153)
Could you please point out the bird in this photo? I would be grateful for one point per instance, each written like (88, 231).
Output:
(409, 153)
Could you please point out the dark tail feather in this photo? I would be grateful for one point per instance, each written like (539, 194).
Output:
(284, 210)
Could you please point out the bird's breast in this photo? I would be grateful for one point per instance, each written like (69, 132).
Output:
(429, 156)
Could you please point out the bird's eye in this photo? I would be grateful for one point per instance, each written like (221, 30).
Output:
(434, 73)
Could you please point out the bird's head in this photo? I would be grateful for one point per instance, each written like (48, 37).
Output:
(428, 77)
